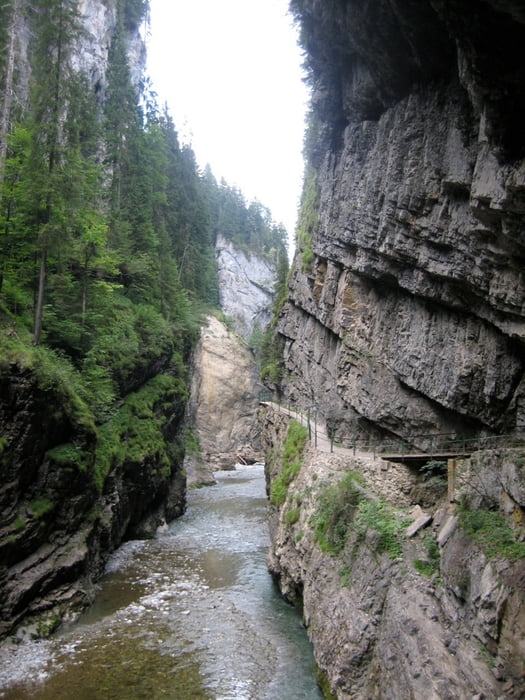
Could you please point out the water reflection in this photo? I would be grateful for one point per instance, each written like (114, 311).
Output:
(192, 614)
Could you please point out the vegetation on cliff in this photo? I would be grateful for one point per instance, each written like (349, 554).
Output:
(107, 226)
(107, 263)
(291, 461)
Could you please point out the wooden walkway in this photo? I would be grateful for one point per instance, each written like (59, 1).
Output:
(449, 452)
(418, 459)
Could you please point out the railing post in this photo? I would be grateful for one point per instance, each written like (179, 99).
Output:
(451, 479)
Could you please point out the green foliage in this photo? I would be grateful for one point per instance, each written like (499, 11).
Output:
(20, 523)
(430, 565)
(47, 625)
(344, 573)
(308, 218)
(322, 682)
(335, 513)
(291, 462)
(383, 519)
(292, 516)
(41, 506)
(107, 233)
(343, 509)
(135, 432)
(489, 530)
(435, 473)
(70, 455)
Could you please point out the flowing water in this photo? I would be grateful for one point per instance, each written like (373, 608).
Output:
(190, 615)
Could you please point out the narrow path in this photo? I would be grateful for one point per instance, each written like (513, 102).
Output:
(318, 435)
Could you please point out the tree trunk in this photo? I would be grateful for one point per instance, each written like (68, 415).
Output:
(39, 308)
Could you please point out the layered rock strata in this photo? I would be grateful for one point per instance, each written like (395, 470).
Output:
(62, 515)
(410, 319)
(381, 627)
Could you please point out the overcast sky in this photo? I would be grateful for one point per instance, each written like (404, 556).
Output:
(230, 71)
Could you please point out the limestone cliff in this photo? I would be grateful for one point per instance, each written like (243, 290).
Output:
(434, 614)
(223, 403)
(410, 318)
(405, 319)
(225, 378)
(246, 287)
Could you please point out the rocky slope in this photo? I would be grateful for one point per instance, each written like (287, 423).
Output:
(410, 318)
(391, 616)
(223, 403)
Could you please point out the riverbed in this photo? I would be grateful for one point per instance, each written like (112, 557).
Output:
(192, 614)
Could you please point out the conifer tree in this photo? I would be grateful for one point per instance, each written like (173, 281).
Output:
(57, 28)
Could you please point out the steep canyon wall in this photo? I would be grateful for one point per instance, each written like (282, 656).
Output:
(70, 490)
(415, 295)
(395, 616)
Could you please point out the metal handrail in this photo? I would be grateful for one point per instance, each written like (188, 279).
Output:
(438, 441)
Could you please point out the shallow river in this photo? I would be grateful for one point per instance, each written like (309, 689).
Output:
(191, 614)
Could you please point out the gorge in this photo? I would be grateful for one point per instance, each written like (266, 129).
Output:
(404, 325)
(401, 322)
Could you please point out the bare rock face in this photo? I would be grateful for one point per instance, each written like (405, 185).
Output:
(411, 318)
(223, 404)
(381, 627)
(246, 287)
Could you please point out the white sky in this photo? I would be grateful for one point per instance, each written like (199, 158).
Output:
(230, 72)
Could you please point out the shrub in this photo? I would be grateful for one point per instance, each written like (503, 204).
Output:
(40, 506)
(430, 565)
(135, 431)
(292, 516)
(383, 519)
(291, 462)
(335, 513)
(491, 533)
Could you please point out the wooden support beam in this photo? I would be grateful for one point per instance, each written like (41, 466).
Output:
(451, 479)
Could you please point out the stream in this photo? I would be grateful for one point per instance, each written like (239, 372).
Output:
(192, 614)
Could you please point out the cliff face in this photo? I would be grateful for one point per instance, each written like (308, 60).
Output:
(432, 616)
(406, 317)
(246, 287)
(70, 490)
(71, 493)
(415, 297)
(223, 403)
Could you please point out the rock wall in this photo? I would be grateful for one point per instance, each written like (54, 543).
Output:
(411, 317)
(223, 405)
(246, 287)
(381, 627)
(59, 523)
